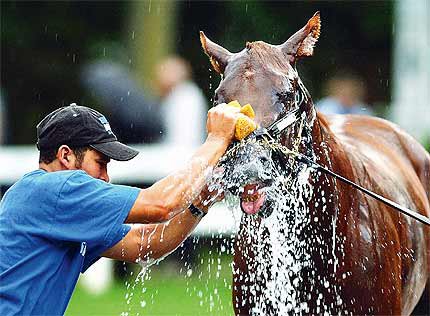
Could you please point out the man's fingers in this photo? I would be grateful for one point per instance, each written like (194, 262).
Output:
(244, 125)
(231, 120)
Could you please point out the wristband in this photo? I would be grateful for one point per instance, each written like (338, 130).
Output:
(196, 212)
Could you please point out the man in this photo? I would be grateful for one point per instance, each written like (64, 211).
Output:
(182, 101)
(58, 220)
(137, 117)
(345, 94)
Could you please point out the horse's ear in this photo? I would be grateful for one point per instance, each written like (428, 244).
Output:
(218, 55)
(303, 41)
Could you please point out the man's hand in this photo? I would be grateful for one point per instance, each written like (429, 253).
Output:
(221, 122)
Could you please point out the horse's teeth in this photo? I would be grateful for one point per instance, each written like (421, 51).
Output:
(251, 198)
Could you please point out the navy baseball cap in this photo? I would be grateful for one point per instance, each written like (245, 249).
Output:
(80, 126)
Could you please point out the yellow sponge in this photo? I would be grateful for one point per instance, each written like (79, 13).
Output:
(244, 127)
(235, 104)
(248, 111)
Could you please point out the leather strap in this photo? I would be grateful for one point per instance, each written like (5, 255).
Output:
(195, 211)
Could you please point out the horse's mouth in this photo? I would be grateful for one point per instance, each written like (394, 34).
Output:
(252, 198)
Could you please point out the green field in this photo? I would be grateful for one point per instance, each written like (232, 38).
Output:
(169, 288)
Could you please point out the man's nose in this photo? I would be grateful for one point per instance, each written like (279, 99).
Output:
(104, 176)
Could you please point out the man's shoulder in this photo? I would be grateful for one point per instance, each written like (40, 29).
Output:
(55, 177)
(37, 187)
(40, 181)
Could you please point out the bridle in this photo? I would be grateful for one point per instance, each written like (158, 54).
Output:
(270, 136)
(282, 123)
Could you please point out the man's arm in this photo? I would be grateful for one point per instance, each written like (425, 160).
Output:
(171, 195)
(153, 241)
(169, 198)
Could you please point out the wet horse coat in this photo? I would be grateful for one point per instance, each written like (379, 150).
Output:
(381, 256)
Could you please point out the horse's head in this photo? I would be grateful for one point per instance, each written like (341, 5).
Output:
(264, 76)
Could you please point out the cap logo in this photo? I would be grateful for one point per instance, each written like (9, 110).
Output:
(106, 124)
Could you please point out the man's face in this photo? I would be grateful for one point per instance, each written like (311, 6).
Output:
(95, 164)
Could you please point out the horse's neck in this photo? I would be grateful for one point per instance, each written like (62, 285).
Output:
(328, 151)
(329, 196)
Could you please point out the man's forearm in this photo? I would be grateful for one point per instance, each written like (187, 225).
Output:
(154, 241)
(167, 197)
(162, 239)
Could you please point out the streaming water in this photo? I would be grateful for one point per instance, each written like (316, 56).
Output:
(279, 234)
(279, 248)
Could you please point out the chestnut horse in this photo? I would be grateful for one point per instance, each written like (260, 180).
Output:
(366, 258)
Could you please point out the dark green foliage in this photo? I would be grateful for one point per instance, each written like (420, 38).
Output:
(45, 44)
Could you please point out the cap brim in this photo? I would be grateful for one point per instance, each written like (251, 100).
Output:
(116, 150)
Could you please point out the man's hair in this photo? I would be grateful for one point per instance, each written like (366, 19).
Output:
(49, 155)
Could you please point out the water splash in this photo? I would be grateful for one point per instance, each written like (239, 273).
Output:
(282, 275)
(280, 253)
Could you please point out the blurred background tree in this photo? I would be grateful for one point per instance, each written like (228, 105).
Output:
(45, 44)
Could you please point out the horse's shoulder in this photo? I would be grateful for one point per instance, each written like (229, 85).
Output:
(379, 145)
(352, 124)
(360, 130)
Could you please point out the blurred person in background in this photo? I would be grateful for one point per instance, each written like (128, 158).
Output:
(135, 116)
(183, 105)
(58, 220)
(345, 94)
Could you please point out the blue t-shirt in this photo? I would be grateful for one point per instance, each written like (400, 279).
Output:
(53, 226)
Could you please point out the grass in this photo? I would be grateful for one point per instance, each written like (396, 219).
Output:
(169, 288)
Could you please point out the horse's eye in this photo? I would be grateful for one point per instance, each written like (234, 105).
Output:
(285, 97)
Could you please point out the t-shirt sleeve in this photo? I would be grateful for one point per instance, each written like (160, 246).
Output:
(92, 211)
(93, 253)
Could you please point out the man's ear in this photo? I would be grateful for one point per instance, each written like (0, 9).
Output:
(66, 157)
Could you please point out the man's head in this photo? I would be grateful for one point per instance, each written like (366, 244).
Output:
(347, 88)
(170, 72)
(77, 137)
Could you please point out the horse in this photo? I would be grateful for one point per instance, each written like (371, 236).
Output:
(347, 252)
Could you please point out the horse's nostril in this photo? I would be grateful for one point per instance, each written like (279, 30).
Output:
(234, 190)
